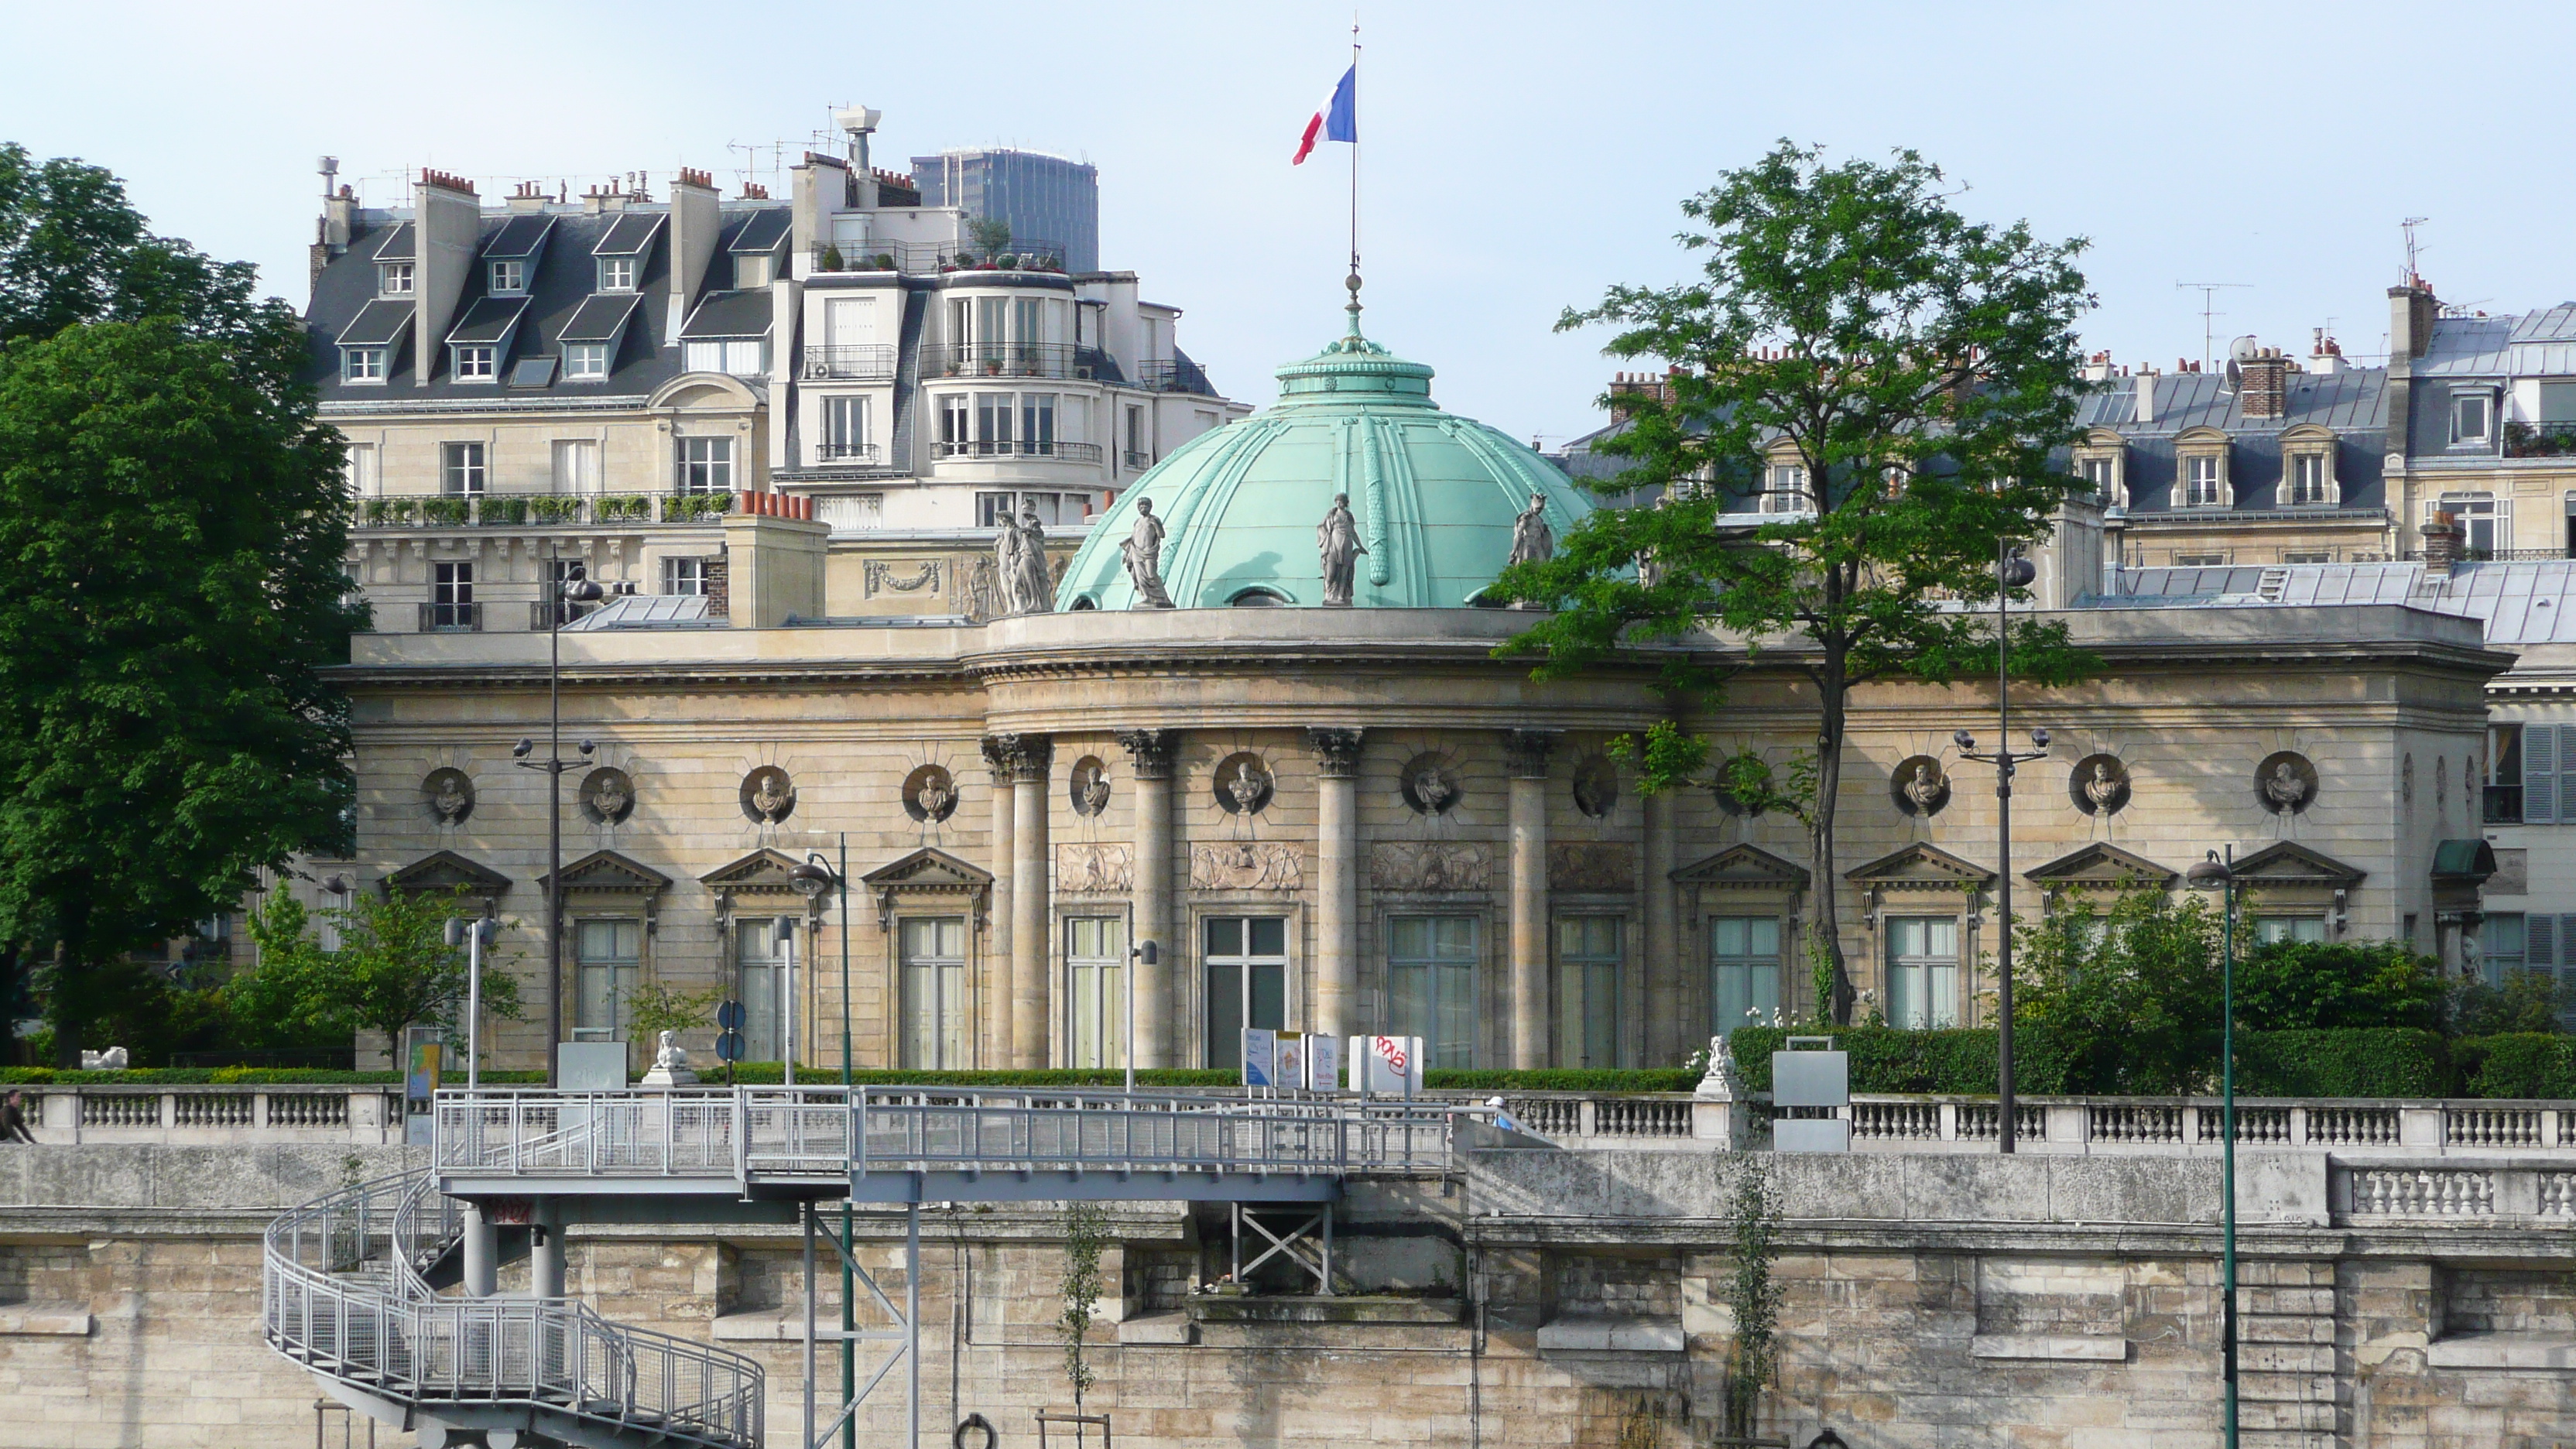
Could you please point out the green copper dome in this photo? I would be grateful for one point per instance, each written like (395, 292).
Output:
(1434, 496)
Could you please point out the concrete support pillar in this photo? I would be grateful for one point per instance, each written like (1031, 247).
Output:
(1030, 759)
(1150, 753)
(993, 1029)
(482, 1253)
(1337, 898)
(546, 1248)
(1668, 1032)
(1526, 751)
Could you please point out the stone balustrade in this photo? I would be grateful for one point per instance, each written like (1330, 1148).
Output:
(215, 1115)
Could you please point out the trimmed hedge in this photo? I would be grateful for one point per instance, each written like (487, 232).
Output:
(2343, 1062)
(1571, 1079)
(224, 1077)
(2392, 1061)
(2518, 1065)
(1959, 1060)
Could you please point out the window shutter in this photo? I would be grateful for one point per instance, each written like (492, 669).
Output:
(2539, 941)
(2564, 808)
(2539, 774)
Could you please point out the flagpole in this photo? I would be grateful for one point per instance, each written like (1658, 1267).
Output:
(1355, 157)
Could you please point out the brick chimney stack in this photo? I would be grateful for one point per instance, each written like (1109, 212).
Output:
(2266, 377)
(2443, 538)
(2411, 310)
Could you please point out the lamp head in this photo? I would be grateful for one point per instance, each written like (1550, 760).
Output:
(520, 750)
(587, 747)
(2039, 738)
(454, 932)
(2207, 875)
(2017, 572)
(337, 885)
(1964, 740)
(784, 933)
(1148, 952)
(810, 880)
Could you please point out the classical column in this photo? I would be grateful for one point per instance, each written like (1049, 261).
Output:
(993, 993)
(1337, 898)
(546, 1248)
(1527, 752)
(1150, 753)
(1667, 1034)
(1029, 880)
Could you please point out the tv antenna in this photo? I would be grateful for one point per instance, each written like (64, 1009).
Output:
(2412, 248)
(2209, 314)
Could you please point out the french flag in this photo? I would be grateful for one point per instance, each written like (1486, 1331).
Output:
(1339, 120)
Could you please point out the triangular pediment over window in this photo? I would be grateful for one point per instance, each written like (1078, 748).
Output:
(445, 870)
(2287, 862)
(1920, 867)
(2105, 867)
(928, 869)
(762, 870)
(606, 870)
(1744, 867)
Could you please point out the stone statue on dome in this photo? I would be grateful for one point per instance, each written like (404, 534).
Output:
(1337, 539)
(1036, 590)
(1143, 552)
(1532, 540)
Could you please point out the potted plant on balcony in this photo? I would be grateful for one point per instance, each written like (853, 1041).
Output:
(885, 261)
(833, 261)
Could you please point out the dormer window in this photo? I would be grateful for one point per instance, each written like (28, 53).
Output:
(2101, 460)
(393, 279)
(2307, 479)
(2098, 477)
(2472, 418)
(617, 274)
(2308, 469)
(2201, 483)
(1785, 489)
(585, 361)
(477, 362)
(509, 278)
(362, 364)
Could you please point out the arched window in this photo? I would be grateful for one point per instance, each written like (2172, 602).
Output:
(1258, 598)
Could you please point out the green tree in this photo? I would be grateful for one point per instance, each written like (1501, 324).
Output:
(990, 234)
(171, 518)
(1918, 369)
(73, 250)
(2129, 992)
(2525, 1001)
(393, 968)
(2302, 985)
(655, 1006)
(1085, 1233)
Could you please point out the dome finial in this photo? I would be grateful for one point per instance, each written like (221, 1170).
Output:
(1353, 282)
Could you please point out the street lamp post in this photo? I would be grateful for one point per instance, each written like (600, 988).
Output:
(2011, 572)
(811, 879)
(473, 938)
(570, 595)
(2214, 874)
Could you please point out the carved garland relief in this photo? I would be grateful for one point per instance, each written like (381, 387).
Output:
(1252, 865)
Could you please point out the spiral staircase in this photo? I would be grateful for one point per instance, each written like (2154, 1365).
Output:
(351, 1290)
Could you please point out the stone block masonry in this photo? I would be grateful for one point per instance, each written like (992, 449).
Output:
(1921, 1308)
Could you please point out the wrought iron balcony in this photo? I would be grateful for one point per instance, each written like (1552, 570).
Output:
(451, 618)
(1005, 359)
(1173, 374)
(1025, 448)
(863, 455)
(920, 258)
(2504, 804)
(871, 363)
(1135, 461)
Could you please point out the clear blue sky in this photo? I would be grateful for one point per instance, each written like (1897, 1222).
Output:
(1518, 156)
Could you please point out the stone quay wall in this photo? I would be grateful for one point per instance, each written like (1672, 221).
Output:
(1535, 1299)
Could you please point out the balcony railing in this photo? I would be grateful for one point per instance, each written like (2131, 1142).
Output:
(862, 455)
(451, 618)
(873, 363)
(928, 257)
(2504, 804)
(2539, 440)
(1173, 374)
(988, 448)
(544, 614)
(539, 510)
(1004, 359)
(2492, 555)
(1135, 461)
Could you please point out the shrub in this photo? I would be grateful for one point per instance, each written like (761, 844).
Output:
(2520, 1065)
(1567, 1079)
(1958, 1060)
(2341, 1062)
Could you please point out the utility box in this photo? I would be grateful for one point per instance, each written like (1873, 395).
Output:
(590, 1066)
(1811, 1097)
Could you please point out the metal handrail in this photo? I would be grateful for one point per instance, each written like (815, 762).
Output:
(831, 1131)
(343, 1293)
(1005, 359)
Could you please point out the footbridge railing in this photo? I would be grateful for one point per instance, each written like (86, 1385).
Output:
(345, 1293)
(801, 1133)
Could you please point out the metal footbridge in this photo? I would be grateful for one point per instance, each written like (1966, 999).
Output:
(386, 1290)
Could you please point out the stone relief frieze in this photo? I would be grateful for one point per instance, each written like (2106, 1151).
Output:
(883, 576)
(1430, 865)
(1591, 865)
(1252, 865)
(1091, 868)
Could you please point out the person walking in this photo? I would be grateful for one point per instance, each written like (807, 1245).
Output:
(13, 1119)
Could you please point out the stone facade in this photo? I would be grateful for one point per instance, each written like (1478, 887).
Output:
(2200, 711)
(1539, 1299)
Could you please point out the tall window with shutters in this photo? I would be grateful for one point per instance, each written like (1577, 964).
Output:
(2548, 945)
(2548, 774)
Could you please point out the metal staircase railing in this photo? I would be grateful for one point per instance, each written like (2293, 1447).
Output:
(828, 1132)
(344, 1294)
